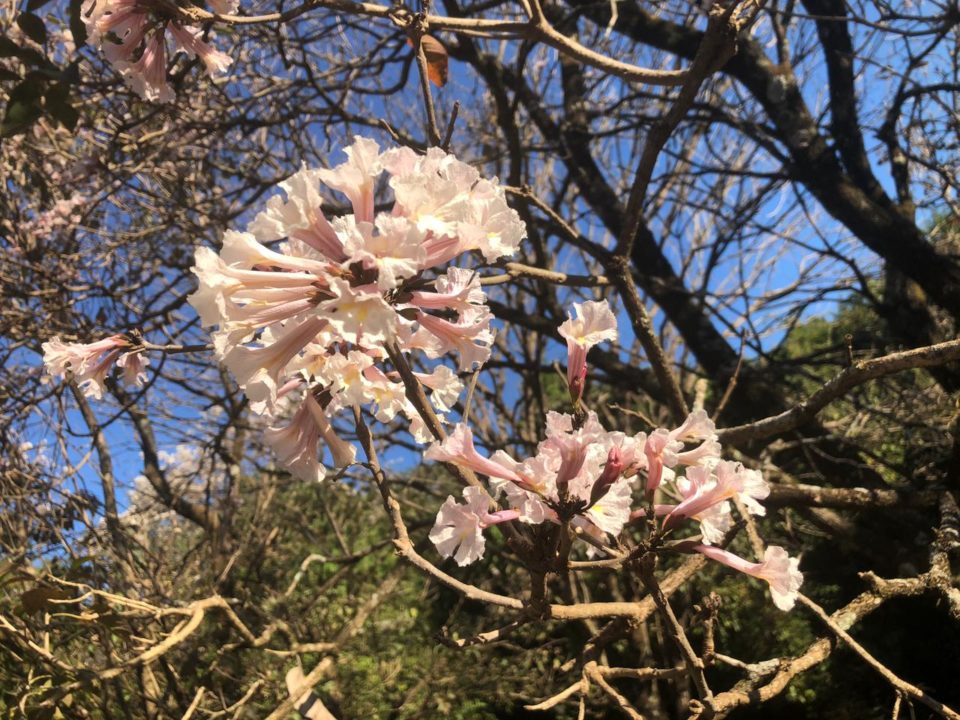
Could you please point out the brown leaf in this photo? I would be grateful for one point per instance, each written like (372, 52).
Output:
(37, 599)
(437, 61)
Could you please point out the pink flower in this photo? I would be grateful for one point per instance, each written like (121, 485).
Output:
(445, 384)
(778, 569)
(612, 511)
(459, 290)
(658, 444)
(259, 370)
(87, 364)
(458, 528)
(455, 209)
(148, 75)
(389, 395)
(130, 21)
(344, 376)
(458, 449)
(188, 39)
(134, 366)
(359, 315)
(299, 217)
(297, 446)
(470, 337)
(594, 323)
(612, 470)
(391, 246)
(729, 480)
(356, 178)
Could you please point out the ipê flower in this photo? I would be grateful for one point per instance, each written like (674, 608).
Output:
(89, 363)
(458, 531)
(594, 323)
(133, 37)
(778, 570)
(332, 300)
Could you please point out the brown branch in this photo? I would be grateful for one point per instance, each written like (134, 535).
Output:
(846, 380)
(898, 683)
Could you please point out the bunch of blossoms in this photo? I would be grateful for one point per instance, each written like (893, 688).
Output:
(586, 477)
(310, 324)
(133, 36)
(89, 364)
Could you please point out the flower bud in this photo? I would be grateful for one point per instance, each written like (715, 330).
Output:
(611, 473)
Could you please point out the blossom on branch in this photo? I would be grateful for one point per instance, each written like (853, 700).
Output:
(330, 303)
(778, 570)
(594, 323)
(133, 37)
(89, 363)
(458, 531)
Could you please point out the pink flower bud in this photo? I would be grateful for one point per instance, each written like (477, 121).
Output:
(611, 473)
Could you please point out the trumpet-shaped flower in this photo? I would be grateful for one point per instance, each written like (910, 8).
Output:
(297, 445)
(391, 246)
(134, 367)
(445, 385)
(471, 337)
(778, 570)
(594, 323)
(458, 531)
(188, 39)
(356, 178)
(259, 370)
(148, 75)
(458, 449)
(710, 488)
(299, 216)
(88, 364)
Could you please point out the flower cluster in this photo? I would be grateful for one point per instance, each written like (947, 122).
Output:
(133, 36)
(313, 319)
(90, 363)
(586, 476)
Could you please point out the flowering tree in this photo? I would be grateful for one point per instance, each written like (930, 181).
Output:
(228, 312)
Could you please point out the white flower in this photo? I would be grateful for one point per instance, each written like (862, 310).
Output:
(391, 246)
(344, 374)
(446, 387)
(356, 178)
(359, 315)
(458, 529)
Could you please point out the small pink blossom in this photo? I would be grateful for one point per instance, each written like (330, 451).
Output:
(594, 323)
(458, 531)
(458, 449)
(87, 364)
(471, 338)
(299, 216)
(445, 385)
(188, 39)
(134, 367)
(148, 75)
(728, 480)
(459, 290)
(778, 569)
(356, 178)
